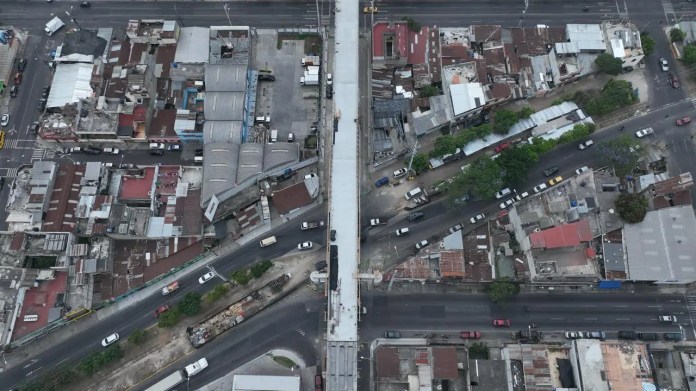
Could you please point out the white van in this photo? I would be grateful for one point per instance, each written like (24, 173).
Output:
(274, 136)
(268, 241)
(413, 193)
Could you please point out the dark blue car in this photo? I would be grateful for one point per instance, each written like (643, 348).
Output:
(381, 181)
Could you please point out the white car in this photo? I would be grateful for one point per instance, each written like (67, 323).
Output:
(574, 334)
(5, 119)
(401, 231)
(477, 218)
(400, 172)
(112, 151)
(206, 277)
(539, 188)
(196, 368)
(667, 319)
(581, 170)
(644, 132)
(664, 65)
(304, 246)
(456, 228)
(421, 244)
(110, 339)
(329, 79)
(585, 144)
(522, 196)
(506, 204)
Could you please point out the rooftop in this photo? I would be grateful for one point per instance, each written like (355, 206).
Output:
(138, 187)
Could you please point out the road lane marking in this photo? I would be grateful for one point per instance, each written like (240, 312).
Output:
(623, 319)
(621, 306)
(557, 318)
(590, 318)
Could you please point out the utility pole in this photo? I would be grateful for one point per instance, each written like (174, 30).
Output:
(413, 154)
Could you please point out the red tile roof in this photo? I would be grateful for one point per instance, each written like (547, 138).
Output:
(445, 363)
(17, 241)
(162, 124)
(380, 29)
(452, 264)
(566, 235)
(137, 188)
(60, 216)
(290, 198)
(38, 301)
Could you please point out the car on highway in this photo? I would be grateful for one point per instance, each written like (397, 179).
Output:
(667, 319)
(540, 187)
(522, 196)
(421, 244)
(400, 172)
(392, 334)
(673, 80)
(470, 335)
(644, 132)
(501, 147)
(505, 204)
(477, 218)
(581, 170)
(206, 277)
(110, 339)
(683, 121)
(596, 334)
(160, 310)
(555, 181)
(550, 171)
(501, 323)
(305, 246)
(401, 231)
(585, 144)
(5, 120)
(370, 10)
(456, 228)
(663, 64)
(574, 334)
(85, 4)
(112, 151)
(415, 216)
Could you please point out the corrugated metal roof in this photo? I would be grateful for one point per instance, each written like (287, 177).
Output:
(70, 84)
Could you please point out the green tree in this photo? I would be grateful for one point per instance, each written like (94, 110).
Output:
(241, 277)
(190, 304)
(504, 119)
(525, 112)
(420, 163)
(631, 207)
(579, 131)
(443, 145)
(542, 146)
(169, 318)
(412, 24)
(137, 337)
(217, 292)
(608, 64)
(515, 162)
(676, 35)
(430, 90)
(647, 43)
(502, 289)
(614, 95)
(478, 351)
(622, 153)
(481, 179)
(260, 268)
(689, 55)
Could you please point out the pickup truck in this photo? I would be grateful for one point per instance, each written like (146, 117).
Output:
(311, 225)
(378, 221)
(197, 367)
(170, 288)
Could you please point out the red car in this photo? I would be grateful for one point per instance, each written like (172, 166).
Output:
(318, 383)
(501, 323)
(683, 121)
(470, 335)
(159, 311)
(501, 147)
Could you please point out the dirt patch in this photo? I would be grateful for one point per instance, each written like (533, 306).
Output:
(312, 42)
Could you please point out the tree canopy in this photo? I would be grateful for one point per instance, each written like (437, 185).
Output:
(502, 289)
(481, 179)
(631, 207)
(608, 64)
(622, 153)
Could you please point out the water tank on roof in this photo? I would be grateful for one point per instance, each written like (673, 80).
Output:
(574, 203)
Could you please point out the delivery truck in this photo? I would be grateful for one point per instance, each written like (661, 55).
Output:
(53, 25)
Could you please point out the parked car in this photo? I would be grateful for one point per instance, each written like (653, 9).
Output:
(540, 187)
(503, 193)
(673, 80)
(456, 228)
(174, 147)
(501, 147)
(663, 64)
(627, 335)
(507, 203)
(14, 90)
(644, 132)
(112, 151)
(18, 78)
(160, 310)
(470, 335)
(522, 196)
(648, 336)
(400, 172)
(477, 218)
(421, 244)
(550, 171)
(401, 231)
(157, 152)
(5, 120)
(329, 91)
(667, 319)
(392, 334)
(574, 334)
(381, 181)
(555, 181)
(502, 323)
(415, 216)
(684, 121)
(596, 334)
(673, 337)
(92, 151)
(305, 246)
(321, 265)
(329, 79)
(22, 64)
(206, 277)
(585, 144)
(318, 383)
(581, 170)
(110, 339)
(370, 10)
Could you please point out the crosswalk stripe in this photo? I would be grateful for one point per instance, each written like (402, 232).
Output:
(9, 172)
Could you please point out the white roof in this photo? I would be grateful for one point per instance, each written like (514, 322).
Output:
(70, 84)
(265, 383)
(585, 37)
(193, 46)
(617, 48)
(466, 97)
